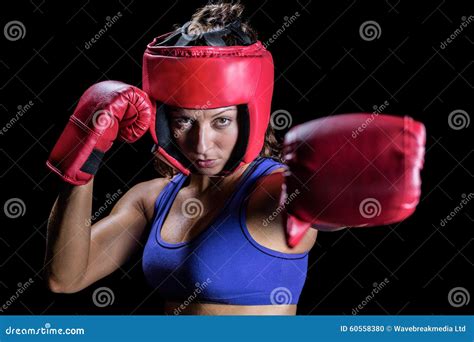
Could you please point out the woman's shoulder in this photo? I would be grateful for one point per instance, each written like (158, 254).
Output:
(273, 180)
(264, 219)
(266, 192)
(147, 192)
(150, 185)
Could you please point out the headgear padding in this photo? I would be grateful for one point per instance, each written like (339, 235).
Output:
(208, 77)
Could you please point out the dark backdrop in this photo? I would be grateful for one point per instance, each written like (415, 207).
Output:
(324, 66)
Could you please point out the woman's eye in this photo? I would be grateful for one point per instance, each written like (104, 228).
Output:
(182, 121)
(221, 122)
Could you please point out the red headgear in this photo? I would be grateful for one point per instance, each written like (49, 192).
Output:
(207, 77)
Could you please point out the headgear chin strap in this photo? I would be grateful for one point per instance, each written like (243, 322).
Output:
(208, 77)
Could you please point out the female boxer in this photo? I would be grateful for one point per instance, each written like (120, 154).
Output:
(214, 230)
(208, 251)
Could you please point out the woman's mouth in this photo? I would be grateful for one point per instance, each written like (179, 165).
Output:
(206, 163)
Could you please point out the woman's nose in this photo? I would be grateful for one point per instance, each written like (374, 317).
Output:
(203, 139)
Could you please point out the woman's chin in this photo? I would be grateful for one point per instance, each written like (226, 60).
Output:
(209, 171)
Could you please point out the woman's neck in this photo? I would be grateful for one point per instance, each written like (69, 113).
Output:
(203, 183)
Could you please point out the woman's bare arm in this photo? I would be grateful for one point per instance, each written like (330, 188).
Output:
(79, 254)
(264, 218)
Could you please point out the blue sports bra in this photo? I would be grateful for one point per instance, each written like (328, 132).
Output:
(223, 264)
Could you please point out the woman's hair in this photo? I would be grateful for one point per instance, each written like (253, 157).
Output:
(215, 16)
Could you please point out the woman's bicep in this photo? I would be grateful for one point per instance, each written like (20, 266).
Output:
(115, 238)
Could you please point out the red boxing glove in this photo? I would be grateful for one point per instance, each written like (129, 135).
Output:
(106, 110)
(352, 170)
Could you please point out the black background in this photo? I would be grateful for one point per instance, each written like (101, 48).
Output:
(322, 67)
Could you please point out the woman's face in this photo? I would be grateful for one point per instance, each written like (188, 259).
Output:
(205, 136)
